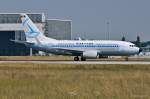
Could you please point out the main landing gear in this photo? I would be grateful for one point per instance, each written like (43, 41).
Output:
(83, 59)
(77, 58)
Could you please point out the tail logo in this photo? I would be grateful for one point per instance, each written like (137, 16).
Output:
(30, 33)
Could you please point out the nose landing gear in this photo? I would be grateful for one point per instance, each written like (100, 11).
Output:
(140, 50)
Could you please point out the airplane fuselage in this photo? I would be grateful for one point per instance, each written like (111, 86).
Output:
(103, 47)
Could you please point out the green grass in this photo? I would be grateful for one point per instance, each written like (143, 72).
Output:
(44, 81)
(68, 58)
(48, 58)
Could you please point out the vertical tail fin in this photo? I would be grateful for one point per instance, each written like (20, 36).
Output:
(32, 33)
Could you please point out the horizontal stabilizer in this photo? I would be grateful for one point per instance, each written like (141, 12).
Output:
(22, 42)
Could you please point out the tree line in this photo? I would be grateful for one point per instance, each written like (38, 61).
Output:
(138, 42)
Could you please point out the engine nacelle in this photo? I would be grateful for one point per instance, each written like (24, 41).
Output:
(90, 54)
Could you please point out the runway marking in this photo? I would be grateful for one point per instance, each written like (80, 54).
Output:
(79, 62)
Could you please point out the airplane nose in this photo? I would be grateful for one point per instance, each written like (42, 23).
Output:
(140, 50)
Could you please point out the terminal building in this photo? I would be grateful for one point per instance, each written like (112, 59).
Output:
(10, 29)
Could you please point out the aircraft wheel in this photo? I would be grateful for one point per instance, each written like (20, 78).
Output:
(83, 58)
(76, 58)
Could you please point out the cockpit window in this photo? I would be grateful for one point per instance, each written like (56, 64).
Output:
(132, 45)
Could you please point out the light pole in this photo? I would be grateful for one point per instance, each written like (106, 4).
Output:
(31, 52)
(108, 31)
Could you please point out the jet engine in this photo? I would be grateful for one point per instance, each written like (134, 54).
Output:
(90, 54)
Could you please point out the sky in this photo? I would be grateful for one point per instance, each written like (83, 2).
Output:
(90, 18)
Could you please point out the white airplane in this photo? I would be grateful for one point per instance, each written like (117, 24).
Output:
(80, 49)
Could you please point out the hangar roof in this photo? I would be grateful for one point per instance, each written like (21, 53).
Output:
(6, 18)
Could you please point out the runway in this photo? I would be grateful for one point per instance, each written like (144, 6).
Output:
(80, 62)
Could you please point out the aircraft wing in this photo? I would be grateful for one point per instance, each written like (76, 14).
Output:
(67, 51)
